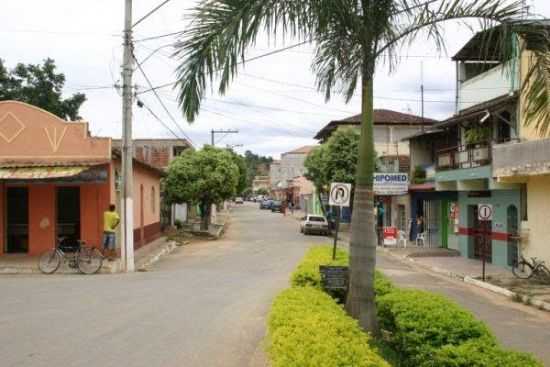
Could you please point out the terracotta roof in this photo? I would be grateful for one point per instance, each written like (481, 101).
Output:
(302, 150)
(381, 117)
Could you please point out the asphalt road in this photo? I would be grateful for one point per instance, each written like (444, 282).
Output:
(203, 305)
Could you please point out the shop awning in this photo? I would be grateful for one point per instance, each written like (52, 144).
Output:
(54, 173)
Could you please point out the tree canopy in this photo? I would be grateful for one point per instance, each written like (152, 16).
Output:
(256, 165)
(242, 182)
(204, 177)
(41, 86)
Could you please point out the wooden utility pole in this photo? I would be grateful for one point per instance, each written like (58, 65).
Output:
(127, 209)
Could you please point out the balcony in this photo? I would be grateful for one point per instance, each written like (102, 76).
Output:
(521, 159)
(464, 156)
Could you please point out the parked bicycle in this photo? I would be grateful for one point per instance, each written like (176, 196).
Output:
(525, 269)
(75, 253)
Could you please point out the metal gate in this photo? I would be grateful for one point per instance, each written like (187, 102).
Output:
(432, 221)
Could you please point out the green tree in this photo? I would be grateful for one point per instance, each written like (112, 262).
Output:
(352, 37)
(254, 164)
(202, 177)
(41, 86)
(242, 183)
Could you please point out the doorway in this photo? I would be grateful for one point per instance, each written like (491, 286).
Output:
(17, 209)
(68, 213)
(512, 220)
(481, 234)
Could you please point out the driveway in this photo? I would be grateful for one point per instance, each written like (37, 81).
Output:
(204, 305)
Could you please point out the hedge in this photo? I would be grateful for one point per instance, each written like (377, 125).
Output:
(307, 272)
(308, 329)
(477, 354)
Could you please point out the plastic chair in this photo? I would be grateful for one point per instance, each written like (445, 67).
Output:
(402, 239)
(421, 238)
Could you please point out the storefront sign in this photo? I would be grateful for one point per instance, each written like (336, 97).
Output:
(391, 183)
(390, 236)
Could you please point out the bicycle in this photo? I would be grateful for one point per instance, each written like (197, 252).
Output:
(77, 255)
(525, 269)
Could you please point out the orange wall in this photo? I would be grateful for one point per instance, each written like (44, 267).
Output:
(41, 218)
(149, 180)
(94, 200)
(2, 219)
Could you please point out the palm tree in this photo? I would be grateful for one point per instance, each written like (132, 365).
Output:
(351, 38)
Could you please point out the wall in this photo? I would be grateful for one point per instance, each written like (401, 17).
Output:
(2, 218)
(94, 201)
(150, 182)
(538, 207)
(486, 86)
(500, 199)
(42, 218)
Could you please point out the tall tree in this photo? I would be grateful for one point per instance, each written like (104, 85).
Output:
(202, 177)
(41, 86)
(351, 38)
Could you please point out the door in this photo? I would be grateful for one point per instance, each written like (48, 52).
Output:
(512, 225)
(17, 221)
(481, 232)
(432, 219)
(68, 213)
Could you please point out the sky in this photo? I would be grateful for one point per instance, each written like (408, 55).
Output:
(272, 103)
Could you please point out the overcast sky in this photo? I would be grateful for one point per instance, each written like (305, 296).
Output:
(273, 103)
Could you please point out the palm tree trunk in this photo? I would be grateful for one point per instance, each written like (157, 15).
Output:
(360, 301)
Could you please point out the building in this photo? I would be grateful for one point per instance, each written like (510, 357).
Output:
(261, 183)
(56, 180)
(157, 152)
(290, 165)
(390, 127)
(485, 154)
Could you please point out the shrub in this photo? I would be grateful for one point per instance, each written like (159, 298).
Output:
(307, 272)
(420, 323)
(308, 329)
(478, 354)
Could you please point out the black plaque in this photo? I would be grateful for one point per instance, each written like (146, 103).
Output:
(334, 277)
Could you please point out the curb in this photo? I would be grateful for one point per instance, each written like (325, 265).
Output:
(156, 256)
(541, 305)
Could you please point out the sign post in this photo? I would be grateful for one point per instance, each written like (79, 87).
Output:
(485, 216)
(340, 194)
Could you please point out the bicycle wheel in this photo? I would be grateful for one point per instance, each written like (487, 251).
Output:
(89, 260)
(522, 270)
(49, 261)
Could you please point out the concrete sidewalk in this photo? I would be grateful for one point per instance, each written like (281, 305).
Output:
(144, 257)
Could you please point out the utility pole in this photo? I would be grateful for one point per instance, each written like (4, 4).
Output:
(422, 93)
(214, 132)
(127, 209)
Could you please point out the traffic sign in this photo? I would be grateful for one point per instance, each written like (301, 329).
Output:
(340, 194)
(485, 212)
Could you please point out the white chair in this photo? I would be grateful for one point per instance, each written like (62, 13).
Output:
(402, 239)
(421, 237)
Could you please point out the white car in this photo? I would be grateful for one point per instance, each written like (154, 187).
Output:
(239, 200)
(314, 224)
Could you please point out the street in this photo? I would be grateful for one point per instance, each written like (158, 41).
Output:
(203, 305)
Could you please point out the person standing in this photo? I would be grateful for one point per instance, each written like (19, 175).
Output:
(111, 220)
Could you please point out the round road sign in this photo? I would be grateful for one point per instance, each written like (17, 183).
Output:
(485, 212)
(340, 194)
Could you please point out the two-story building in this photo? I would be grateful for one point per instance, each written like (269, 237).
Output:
(472, 157)
(390, 128)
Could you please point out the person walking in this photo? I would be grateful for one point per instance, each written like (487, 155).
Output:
(111, 220)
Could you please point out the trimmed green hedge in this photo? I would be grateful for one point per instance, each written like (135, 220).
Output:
(308, 329)
(307, 272)
(477, 354)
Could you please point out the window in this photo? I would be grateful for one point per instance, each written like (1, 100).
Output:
(153, 199)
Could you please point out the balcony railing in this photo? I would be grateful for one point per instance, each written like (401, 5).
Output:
(464, 156)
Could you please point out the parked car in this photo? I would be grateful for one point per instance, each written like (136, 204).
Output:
(266, 204)
(239, 200)
(314, 224)
(276, 206)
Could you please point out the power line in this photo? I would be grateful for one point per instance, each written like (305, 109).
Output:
(161, 101)
(158, 36)
(152, 89)
(141, 104)
(150, 12)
